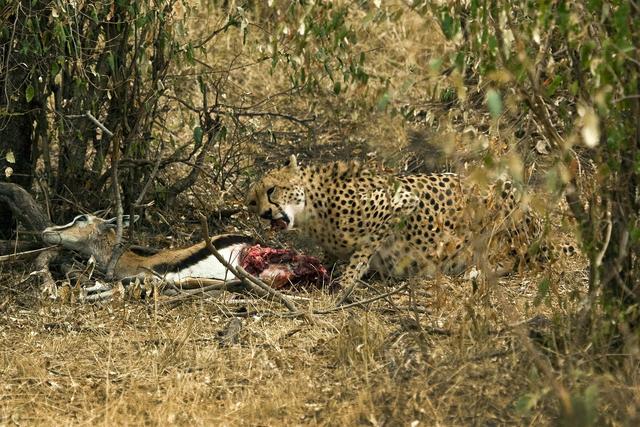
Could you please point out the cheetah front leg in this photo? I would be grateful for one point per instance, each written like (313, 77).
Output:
(357, 267)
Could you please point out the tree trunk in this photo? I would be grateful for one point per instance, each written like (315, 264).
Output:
(24, 207)
(15, 137)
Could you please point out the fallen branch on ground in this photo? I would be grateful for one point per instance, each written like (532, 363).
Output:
(363, 302)
(252, 282)
(326, 311)
(196, 284)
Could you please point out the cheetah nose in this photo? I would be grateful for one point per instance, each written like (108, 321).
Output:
(267, 214)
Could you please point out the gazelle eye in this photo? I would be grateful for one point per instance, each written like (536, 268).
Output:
(252, 203)
(270, 191)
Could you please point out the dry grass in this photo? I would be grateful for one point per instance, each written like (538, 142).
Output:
(465, 362)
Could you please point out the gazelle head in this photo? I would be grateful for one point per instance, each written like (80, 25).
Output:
(86, 234)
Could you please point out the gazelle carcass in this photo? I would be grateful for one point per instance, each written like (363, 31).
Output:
(93, 236)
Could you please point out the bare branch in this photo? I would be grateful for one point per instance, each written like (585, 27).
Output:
(24, 206)
(118, 248)
(152, 176)
(97, 123)
(605, 245)
(363, 302)
(21, 256)
(302, 122)
(91, 117)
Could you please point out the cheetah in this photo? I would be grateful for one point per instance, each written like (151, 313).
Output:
(394, 225)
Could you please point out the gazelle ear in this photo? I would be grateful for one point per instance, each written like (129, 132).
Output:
(292, 164)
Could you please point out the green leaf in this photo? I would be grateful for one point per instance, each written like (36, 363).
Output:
(494, 102)
(543, 291)
(383, 101)
(197, 135)
(448, 95)
(222, 133)
(448, 25)
(554, 85)
(55, 69)
(189, 54)
(337, 87)
(527, 402)
(585, 406)
(435, 64)
(459, 61)
(112, 62)
(30, 93)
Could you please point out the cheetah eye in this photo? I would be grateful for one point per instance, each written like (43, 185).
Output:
(270, 191)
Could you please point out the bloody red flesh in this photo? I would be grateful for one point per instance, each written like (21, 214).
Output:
(283, 267)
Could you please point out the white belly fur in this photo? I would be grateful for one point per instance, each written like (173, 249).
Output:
(210, 267)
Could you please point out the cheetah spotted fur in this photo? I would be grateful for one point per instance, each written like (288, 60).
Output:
(395, 225)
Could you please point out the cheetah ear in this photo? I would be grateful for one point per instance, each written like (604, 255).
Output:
(292, 164)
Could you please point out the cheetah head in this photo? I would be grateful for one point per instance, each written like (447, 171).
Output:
(279, 197)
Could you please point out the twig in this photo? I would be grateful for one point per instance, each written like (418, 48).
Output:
(301, 122)
(97, 123)
(197, 283)
(215, 32)
(152, 177)
(192, 294)
(118, 248)
(347, 293)
(231, 285)
(333, 309)
(607, 240)
(23, 255)
(242, 273)
(91, 117)
(543, 365)
(363, 302)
